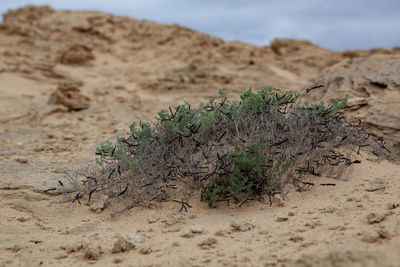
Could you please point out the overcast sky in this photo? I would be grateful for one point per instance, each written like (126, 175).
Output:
(334, 24)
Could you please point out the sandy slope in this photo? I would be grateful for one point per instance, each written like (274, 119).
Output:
(131, 69)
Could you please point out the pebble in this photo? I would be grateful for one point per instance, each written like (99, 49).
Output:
(376, 184)
(23, 219)
(296, 238)
(119, 86)
(154, 217)
(93, 253)
(187, 235)
(313, 224)
(282, 219)
(21, 160)
(136, 238)
(208, 243)
(122, 245)
(117, 260)
(196, 229)
(392, 206)
(99, 205)
(243, 227)
(376, 218)
(370, 237)
(145, 250)
(220, 233)
(68, 137)
(121, 127)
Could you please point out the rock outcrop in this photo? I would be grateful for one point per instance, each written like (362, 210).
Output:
(373, 86)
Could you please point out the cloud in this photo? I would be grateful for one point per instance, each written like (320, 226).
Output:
(335, 24)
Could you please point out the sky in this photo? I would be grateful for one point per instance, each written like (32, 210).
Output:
(333, 24)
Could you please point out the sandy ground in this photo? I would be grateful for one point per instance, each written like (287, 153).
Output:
(126, 79)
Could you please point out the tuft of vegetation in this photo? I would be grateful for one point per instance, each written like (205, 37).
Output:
(226, 150)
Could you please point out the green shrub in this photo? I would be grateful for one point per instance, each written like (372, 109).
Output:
(226, 150)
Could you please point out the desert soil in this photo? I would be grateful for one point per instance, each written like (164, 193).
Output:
(71, 80)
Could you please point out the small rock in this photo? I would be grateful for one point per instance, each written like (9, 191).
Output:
(117, 260)
(245, 227)
(220, 233)
(208, 243)
(145, 250)
(378, 180)
(68, 137)
(23, 219)
(290, 213)
(68, 95)
(383, 233)
(175, 244)
(279, 201)
(241, 227)
(174, 219)
(328, 209)
(21, 160)
(376, 218)
(296, 238)
(136, 238)
(75, 248)
(92, 253)
(187, 235)
(100, 204)
(376, 184)
(370, 237)
(282, 219)
(77, 55)
(376, 187)
(154, 217)
(122, 245)
(196, 229)
(392, 206)
(60, 256)
(313, 224)
(39, 149)
(14, 248)
(119, 86)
